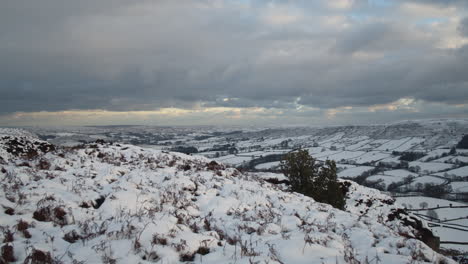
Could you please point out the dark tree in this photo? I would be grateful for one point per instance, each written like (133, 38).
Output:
(437, 191)
(411, 156)
(185, 150)
(463, 144)
(300, 168)
(313, 180)
(453, 151)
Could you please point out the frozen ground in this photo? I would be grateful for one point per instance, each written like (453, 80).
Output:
(117, 203)
(444, 225)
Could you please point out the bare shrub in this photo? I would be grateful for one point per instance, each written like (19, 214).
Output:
(43, 165)
(51, 214)
(22, 227)
(8, 254)
(39, 257)
(8, 236)
(9, 211)
(158, 240)
(72, 237)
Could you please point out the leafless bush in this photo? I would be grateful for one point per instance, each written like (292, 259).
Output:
(285, 233)
(72, 237)
(232, 240)
(417, 255)
(43, 164)
(106, 259)
(248, 249)
(8, 254)
(51, 214)
(9, 211)
(273, 253)
(203, 250)
(127, 231)
(349, 252)
(22, 226)
(187, 257)
(181, 246)
(158, 240)
(91, 229)
(8, 236)
(39, 257)
(151, 256)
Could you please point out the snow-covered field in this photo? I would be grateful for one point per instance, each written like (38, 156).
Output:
(371, 156)
(461, 172)
(400, 173)
(434, 154)
(354, 172)
(428, 179)
(459, 186)
(451, 230)
(430, 167)
(117, 203)
(268, 165)
(400, 144)
(234, 160)
(386, 179)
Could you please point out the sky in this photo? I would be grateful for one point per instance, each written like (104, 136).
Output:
(238, 62)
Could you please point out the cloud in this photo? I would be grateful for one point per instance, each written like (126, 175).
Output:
(124, 56)
(463, 27)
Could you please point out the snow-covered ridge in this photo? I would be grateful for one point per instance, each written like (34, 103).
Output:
(112, 203)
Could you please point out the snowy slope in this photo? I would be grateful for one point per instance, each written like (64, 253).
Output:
(103, 203)
(453, 221)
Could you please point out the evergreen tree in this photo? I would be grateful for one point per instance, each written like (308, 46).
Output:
(463, 144)
(313, 180)
(300, 168)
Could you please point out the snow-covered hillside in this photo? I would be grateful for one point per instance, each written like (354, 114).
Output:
(112, 203)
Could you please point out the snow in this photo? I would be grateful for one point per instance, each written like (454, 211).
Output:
(341, 166)
(393, 144)
(326, 154)
(358, 145)
(462, 172)
(165, 207)
(354, 172)
(409, 144)
(453, 159)
(400, 173)
(234, 159)
(434, 154)
(370, 156)
(453, 235)
(391, 160)
(459, 186)
(269, 175)
(267, 165)
(430, 167)
(386, 179)
(344, 155)
(428, 179)
(445, 232)
(392, 176)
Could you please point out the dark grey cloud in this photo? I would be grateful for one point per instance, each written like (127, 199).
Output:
(439, 2)
(122, 55)
(463, 27)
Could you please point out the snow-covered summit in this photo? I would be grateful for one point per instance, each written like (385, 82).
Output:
(113, 203)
